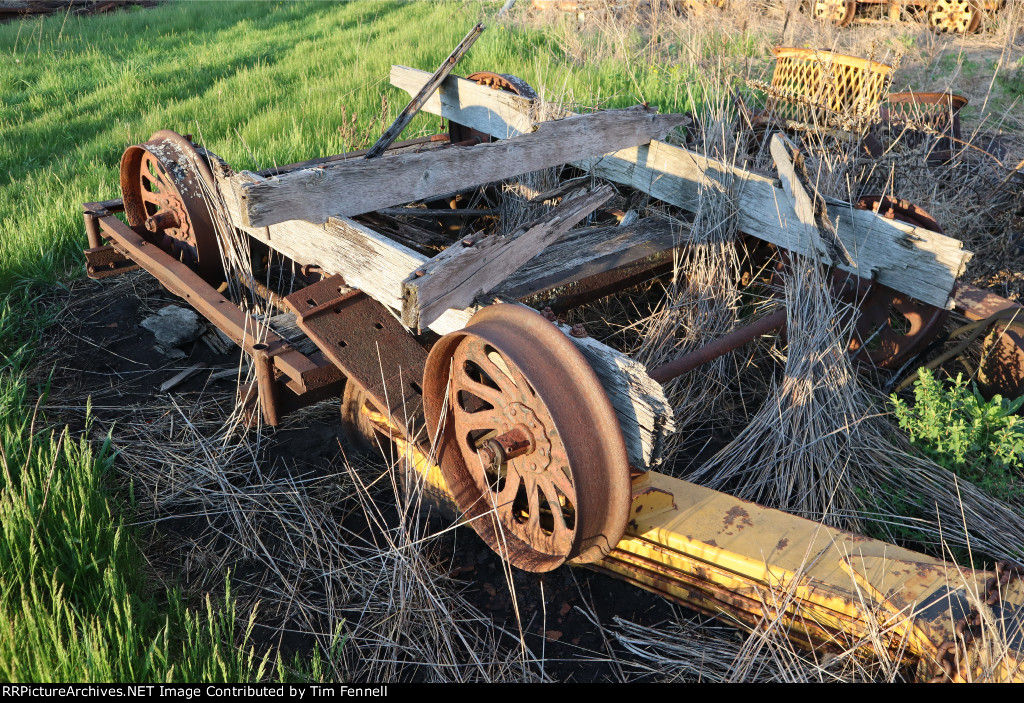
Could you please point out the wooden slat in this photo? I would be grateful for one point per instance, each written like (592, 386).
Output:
(377, 265)
(591, 251)
(354, 187)
(410, 110)
(458, 275)
(912, 260)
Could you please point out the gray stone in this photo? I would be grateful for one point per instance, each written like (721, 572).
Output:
(173, 326)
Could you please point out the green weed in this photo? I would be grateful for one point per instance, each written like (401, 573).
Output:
(954, 426)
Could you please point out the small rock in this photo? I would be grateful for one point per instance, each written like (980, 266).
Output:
(553, 635)
(170, 352)
(173, 326)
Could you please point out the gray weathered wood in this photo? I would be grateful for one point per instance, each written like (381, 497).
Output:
(357, 186)
(378, 265)
(181, 377)
(589, 251)
(459, 274)
(812, 214)
(410, 110)
(912, 260)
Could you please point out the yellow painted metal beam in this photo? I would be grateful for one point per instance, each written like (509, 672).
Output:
(750, 565)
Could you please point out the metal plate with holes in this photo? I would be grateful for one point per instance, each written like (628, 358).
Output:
(363, 339)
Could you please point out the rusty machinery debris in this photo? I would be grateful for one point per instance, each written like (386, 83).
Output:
(943, 16)
(541, 438)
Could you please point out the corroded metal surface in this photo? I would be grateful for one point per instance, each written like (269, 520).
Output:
(511, 375)
(166, 186)
(364, 340)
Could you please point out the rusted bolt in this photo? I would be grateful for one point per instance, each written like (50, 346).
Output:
(548, 314)
(578, 331)
(515, 442)
(162, 220)
(419, 272)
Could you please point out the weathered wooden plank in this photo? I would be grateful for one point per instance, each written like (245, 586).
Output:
(912, 260)
(591, 251)
(378, 265)
(812, 214)
(410, 110)
(459, 274)
(357, 186)
(802, 203)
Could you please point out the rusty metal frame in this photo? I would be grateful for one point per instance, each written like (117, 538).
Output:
(276, 361)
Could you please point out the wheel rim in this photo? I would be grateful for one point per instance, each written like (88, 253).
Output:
(893, 325)
(954, 16)
(839, 12)
(164, 184)
(498, 81)
(529, 445)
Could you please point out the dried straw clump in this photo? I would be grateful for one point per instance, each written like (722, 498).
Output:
(703, 300)
(795, 453)
(819, 446)
(339, 556)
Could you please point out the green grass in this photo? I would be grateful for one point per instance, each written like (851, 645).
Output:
(260, 83)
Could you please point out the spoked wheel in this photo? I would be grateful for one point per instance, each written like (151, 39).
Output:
(839, 12)
(893, 326)
(497, 81)
(954, 16)
(529, 445)
(165, 185)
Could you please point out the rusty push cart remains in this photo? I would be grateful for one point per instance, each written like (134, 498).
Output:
(544, 440)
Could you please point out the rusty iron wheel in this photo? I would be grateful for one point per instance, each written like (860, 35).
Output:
(529, 444)
(498, 81)
(893, 326)
(954, 16)
(839, 12)
(164, 184)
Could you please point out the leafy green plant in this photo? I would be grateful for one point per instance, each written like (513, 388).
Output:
(954, 426)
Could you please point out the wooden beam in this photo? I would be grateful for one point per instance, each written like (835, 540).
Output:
(410, 110)
(357, 186)
(378, 265)
(913, 260)
(458, 275)
(592, 251)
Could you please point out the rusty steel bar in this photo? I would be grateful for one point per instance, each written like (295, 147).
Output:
(264, 366)
(92, 229)
(303, 373)
(723, 345)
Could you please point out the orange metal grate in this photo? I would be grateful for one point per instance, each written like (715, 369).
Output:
(824, 89)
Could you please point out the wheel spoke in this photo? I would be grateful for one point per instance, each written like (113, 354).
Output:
(551, 494)
(480, 390)
(482, 420)
(476, 352)
(559, 480)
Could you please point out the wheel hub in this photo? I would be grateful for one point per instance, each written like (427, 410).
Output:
(529, 444)
(956, 16)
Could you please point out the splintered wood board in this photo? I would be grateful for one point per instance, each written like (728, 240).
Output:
(354, 186)
(913, 260)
